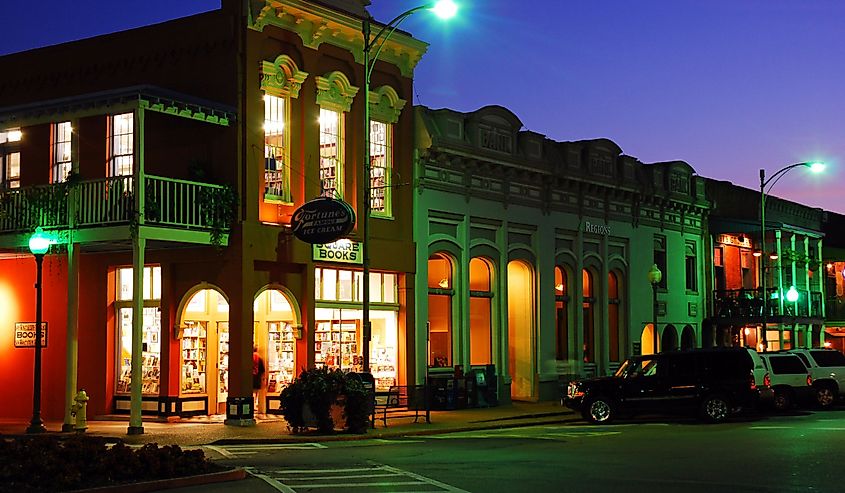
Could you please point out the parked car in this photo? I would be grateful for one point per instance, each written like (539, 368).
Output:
(791, 380)
(713, 383)
(827, 367)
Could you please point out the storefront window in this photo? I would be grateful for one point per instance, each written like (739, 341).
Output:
(589, 317)
(480, 310)
(194, 357)
(338, 334)
(613, 315)
(561, 316)
(440, 293)
(151, 330)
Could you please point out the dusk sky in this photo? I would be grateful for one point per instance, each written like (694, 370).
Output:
(729, 86)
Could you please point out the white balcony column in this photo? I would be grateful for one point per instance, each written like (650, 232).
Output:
(72, 336)
(139, 245)
(136, 426)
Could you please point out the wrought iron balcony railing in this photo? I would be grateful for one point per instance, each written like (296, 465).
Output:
(748, 303)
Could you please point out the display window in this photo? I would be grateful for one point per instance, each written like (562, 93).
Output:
(151, 331)
(338, 329)
(194, 357)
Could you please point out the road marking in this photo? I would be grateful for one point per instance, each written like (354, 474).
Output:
(770, 427)
(376, 476)
(231, 451)
(830, 429)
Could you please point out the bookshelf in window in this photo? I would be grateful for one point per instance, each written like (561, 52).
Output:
(194, 357)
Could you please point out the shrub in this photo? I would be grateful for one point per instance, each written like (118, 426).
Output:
(319, 389)
(55, 463)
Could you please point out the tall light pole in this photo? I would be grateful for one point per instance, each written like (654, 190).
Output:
(815, 167)
(39, 243)
(654, 277)
(443, 9)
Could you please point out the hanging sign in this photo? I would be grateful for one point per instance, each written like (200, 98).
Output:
(322, 220)
(341, 251)
(25, 334)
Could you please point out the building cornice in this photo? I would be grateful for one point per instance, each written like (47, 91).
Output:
(316, 24)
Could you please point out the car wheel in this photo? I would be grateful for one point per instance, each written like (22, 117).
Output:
(715, 408)
(825, 396)
(599, 411)
(783, 400)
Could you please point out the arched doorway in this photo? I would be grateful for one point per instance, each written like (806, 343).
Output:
(276, 332)
(647, 340)
(669, 339)
(687, 338)
(204, 351)
(521, 330)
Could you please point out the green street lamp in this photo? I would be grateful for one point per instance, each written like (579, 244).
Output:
(792, 294)
(654, 278)
(815, 167)
(39, 243)
(444, 9)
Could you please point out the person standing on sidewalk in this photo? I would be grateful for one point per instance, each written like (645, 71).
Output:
(257, 377)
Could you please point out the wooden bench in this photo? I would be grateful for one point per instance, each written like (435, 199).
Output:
(396, 402)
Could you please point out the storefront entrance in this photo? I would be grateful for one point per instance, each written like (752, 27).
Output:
(275, 334)
(204, 353)
(521, 330)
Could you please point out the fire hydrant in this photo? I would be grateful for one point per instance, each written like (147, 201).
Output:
(78, 411)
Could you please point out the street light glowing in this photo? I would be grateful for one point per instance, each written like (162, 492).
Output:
(39, 242)
(816, 167)
(792, 294)
(445, 9)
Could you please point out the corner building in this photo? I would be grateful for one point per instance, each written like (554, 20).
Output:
(533, 255)
(130, 148)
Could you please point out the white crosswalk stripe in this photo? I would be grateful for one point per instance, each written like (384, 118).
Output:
(365, 478)
(233, 451)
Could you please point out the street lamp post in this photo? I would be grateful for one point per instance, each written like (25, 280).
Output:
(443, 9)
(815, 167)
(654, 277)
(39, 243)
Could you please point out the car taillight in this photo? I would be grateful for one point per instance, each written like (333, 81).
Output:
(809, 380)
(751, 380)
(767, 380)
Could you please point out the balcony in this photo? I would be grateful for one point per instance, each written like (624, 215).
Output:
(175, 210)
(745, 306)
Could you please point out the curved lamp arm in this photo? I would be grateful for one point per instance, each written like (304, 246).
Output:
(386, 31)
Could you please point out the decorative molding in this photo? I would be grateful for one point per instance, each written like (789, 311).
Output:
(316, 24)
(385, 105)
(282, 77)
(334, 92)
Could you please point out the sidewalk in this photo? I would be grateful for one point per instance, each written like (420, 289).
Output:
(273, 429)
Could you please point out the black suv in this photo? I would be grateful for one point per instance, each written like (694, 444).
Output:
(710, 382)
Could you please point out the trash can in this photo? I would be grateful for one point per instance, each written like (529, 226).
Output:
(491, 394)
(239, 408)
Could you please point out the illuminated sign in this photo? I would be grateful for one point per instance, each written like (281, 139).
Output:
(341, 251)
(741, 241)
(322, 220)
(25, 334)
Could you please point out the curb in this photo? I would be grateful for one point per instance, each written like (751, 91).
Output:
(170, 483)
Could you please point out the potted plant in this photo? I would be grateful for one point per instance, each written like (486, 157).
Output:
(309, 401)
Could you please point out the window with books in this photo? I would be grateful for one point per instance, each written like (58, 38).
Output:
(151, 330)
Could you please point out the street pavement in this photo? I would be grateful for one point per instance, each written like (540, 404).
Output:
(273, 429)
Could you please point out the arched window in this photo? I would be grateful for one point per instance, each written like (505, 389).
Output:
(589, 317)
(440, 293)
(613, 315)
(480, 310)
(561, 315)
